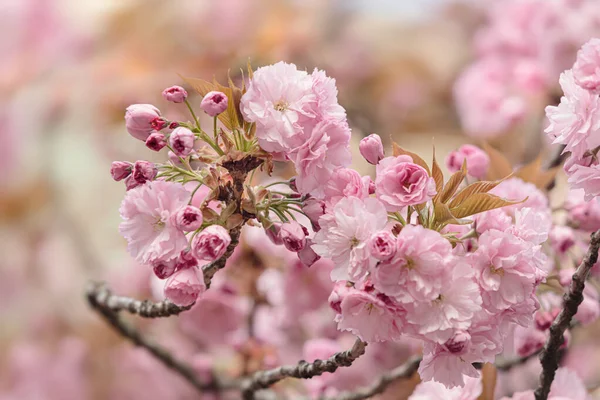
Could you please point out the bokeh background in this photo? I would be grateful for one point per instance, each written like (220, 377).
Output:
(70, 68)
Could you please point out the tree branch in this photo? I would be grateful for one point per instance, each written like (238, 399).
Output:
(102, 295)
(403, 371)
(571, 301)
(98, 296)
(302, 370)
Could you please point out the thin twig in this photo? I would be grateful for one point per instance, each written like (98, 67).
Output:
(162, 354)
(144, 308)
(403, 371)
(302, 370)
(571, 301)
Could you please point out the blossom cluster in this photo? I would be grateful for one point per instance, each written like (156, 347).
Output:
(455, 263)
(575, 122)
(521, 49)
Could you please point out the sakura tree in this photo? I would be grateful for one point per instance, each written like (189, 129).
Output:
(464, 267)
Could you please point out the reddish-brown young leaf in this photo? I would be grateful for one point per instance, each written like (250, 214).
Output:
(480, 202)
(499, 165)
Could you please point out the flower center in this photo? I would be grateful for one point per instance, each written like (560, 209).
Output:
(410, 263)
(497, 271)
(281, 105)
(354, 242)
(369, 307)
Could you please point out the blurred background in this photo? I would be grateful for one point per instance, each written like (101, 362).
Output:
(412, 70)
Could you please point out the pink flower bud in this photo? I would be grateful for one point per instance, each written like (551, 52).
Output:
(211, 243)
(164, 269)
(138, 120)
(371, 148)
(529, 342)
(144, 171)
(273, 233)
(562, 238)
(176, 94)
(458, 343)
(307, 255)
(120, 170)
(214, 103)
(293, 235)
(543, 319)
(314, 209)
(159, 123)
(184, 286)
(156, 141)
(188, 218)
(382, 245)
(131, 183)
(182, 141)
(586, 70)
(478, 161)
(173, 125)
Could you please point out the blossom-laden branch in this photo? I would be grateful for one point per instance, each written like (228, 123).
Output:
(102, 296)
(572, 300)
(403, 371)
(98, 299)
(302, 370)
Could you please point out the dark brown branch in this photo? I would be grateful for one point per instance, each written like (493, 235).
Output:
(162, 354)
(302, 370)
(403, 371)
(103, 296)
(571, 300)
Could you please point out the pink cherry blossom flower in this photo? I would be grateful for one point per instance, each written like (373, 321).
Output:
(400, 183)
(314, 209)
(532, 225)
(477, 160)
(492, 219)
(138, 120)
(326, 92)
(176, 94)
(319, 155)
(529, 340)
(344, 235)
(575, 122)
(184, 286)
(215, 317)
(454, 307)
(345, 182)
(144, 171)
(279, 99)
(431, 390)
(214, 103)
(562, 238)
(585, 215)
(586, 178)
(369, 316)
(371, 148)
(516, 189)
(417, 271)
(507, 273)
(211, 243)
(148, 225)
(382, 245)
(586, 70)
(447, 368)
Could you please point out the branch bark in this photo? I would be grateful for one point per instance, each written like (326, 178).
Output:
(302, 370)
(101, 295)
(571, 300)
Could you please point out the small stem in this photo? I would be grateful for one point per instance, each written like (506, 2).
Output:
(215, 130)
(187, 103)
